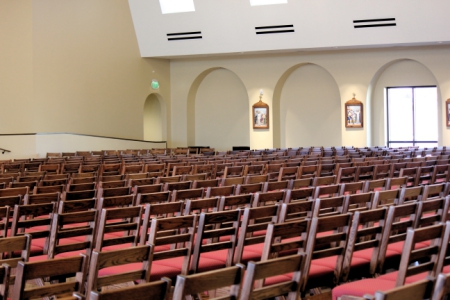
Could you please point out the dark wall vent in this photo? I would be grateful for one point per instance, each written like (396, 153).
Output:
(274, 29)
(193, 35)
(386, 22)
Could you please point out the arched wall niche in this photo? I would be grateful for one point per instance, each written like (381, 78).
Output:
(155, 118)
(399, 72)
(217, 110)
(306, 103)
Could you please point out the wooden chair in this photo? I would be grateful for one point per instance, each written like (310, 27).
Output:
(140, 181)
(254, 169)
(441, 173)
(201, 205)
(50, 168)
(110, 169)
(236, 201)
(211, 227)
(17, 244)
(20, 191)
(173, 241)
(69, 196)
(73, 233)
(307, 171)
(412, 174)
(351, 188)
(399, 219)
(192, 177)
(112, 184)
(326, 191)
(132, 168)
(347, 174)
(188, 285)
(152, 198)
(273, 170)
(233, 171)
(119, 266)
(326, 243)
(178, 195)
(381, 171)
(81, 180)
(249, 188)
(181, 170)
(42, 198)
(118, 228)
(359, 202)
(396, 183)
(364, 244)
(253, 230)
(269, 198)
(375, 185)
(282, 267)
(301, 183)
(435, 191)
(34, 219)
(146, 189)
(411, 194)
(329, 206)
(205, 183)
(77, 205)
(48, 189)
(327, 180)
(249, 179)
(81, 187)
(157, 290)
(417, 262)
(386, 198)
(112, 192)
(364, 173)
(232, 181)
(276, 186)
(287, 173)
(201, 169)
(432, 212)
(182, 185)
(228, 190)
(61, 268)
(442, 287)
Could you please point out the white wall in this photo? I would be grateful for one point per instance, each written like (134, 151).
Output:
(398, 73)
(153, 119)
(310, 105)
(221, 112)
(348, 72)
(30, 146)
(228, 27)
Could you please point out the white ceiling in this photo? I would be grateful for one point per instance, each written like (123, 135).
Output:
(223, 27)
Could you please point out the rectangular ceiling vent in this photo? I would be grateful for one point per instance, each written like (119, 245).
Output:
(193, 35)
(274, 29)
(387, 22)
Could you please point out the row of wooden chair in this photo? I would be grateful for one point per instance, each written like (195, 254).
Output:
(122, 210)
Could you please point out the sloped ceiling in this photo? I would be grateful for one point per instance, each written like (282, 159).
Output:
(223, 27)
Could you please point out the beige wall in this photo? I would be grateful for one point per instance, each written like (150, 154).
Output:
(16, 67)
(363, 72)
(74, 66)
(30, 146)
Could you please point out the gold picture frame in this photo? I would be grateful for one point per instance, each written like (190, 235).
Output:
(260, 118)
(354, 114)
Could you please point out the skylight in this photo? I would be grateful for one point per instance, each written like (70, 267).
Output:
(266, 2)
(176, 6)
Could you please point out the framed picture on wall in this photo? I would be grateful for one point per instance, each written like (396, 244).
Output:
(354, 114)
(447, 111)
(260, 115)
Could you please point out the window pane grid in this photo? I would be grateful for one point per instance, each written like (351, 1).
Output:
(412, 116)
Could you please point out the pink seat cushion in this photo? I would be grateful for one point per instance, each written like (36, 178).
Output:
(361, 287)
